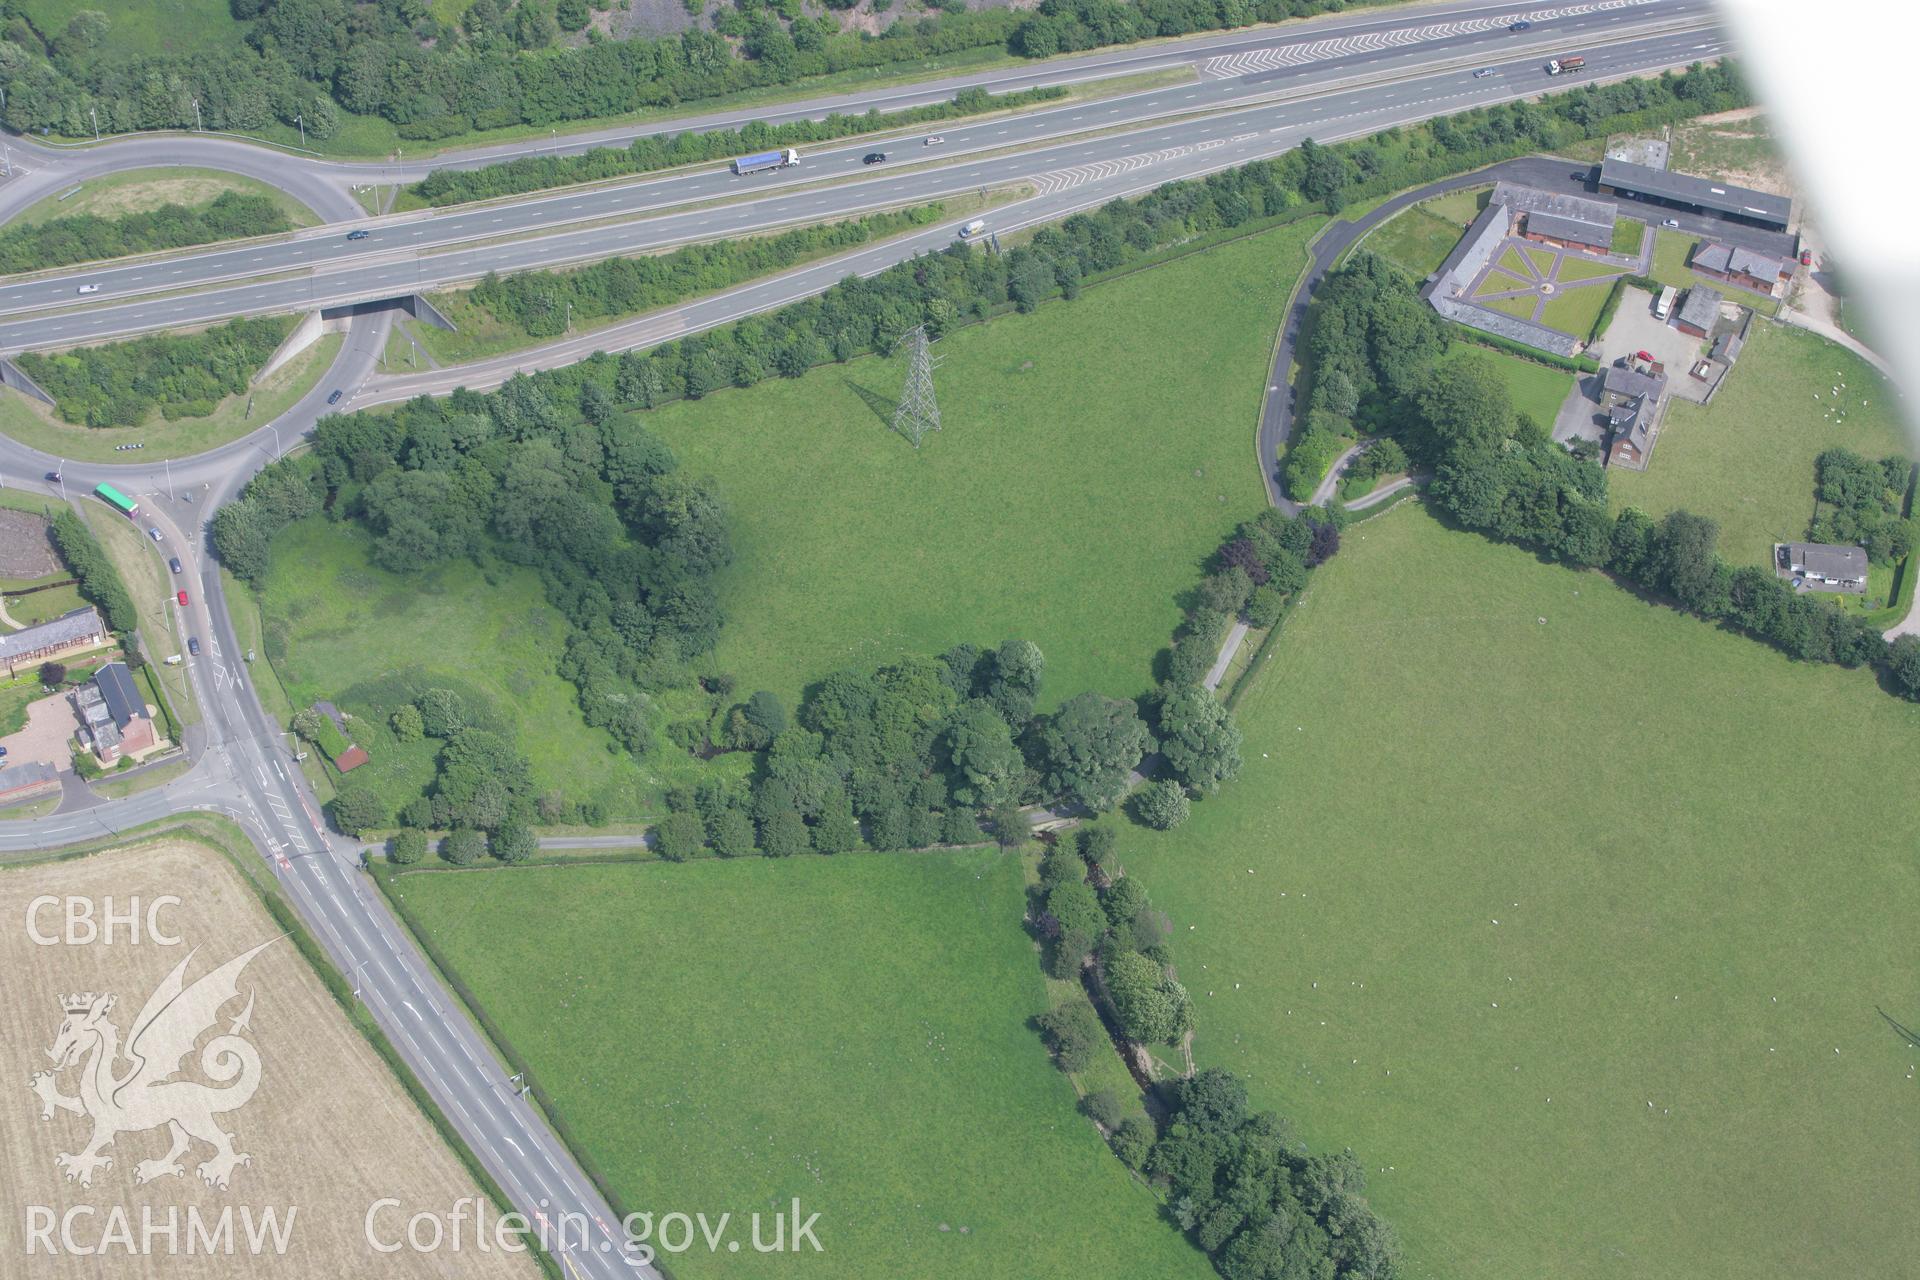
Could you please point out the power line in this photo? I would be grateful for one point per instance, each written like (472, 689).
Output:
(918, 412)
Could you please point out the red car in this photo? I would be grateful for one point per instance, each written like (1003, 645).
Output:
(183, 599)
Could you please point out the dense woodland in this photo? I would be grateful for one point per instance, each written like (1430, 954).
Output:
(181, 375)
(519, 62)
(89, 238)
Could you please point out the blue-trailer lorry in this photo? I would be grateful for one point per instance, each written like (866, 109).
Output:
(767, 160)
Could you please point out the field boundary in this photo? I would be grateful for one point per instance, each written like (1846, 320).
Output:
(206, 829)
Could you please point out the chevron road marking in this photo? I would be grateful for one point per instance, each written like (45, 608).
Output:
(1279, 57)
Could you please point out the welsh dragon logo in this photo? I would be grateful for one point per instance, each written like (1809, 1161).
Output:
(143, 1094)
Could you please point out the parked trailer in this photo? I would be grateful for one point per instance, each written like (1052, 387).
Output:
(117, 500)
(766, 160)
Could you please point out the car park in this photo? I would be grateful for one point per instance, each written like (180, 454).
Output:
(874, 157)
(361, 234)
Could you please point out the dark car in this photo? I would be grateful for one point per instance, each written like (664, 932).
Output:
(53, 477)
(1521, 25)
(193, 645)
(335, 397)
(874, 157)
(358, 235)
(173, 563)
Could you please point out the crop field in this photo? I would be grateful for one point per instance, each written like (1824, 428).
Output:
(1543, 936)
(1747, 459)
(329, 1129)
(851, 1031)
(1090, 455)
(337, 626)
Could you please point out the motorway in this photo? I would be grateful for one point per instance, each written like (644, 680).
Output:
(1056, 151)
(243, 769)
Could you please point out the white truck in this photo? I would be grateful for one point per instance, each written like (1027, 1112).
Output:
(1566, 65)
(785, 157)
(973, 230)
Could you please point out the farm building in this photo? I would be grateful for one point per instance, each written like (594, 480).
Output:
(1747, 268)
(68, 633)
(1699, 312)
(1569, 222)
(1822, 566)
(1685, 192)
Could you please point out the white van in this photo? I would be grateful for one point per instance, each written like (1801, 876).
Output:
(974, 229)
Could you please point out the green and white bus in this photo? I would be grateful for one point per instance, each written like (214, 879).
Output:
(118, 501)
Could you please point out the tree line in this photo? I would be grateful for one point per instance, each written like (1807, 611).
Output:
(540, 302)
(100, 582)
(1498, 471)
(665, 151)
(88, 237)
(1240, 1184)
(181, 375)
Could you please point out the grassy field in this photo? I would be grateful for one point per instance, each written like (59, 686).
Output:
(1550, 944)
(150, 27)
(1574, 310)
(1627, 234)
(337, 626)
(1091, 454)
(1747, 460)
(1416, 241)
(137, 190)
(1572, 268)
(1520, 307)
(34, 424)
(329, 1129)
(1458, 207)
(1537, 390)
(869, 1056)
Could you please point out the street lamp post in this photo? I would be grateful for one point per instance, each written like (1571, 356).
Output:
(95, 113)
(198, 125)
(302, 122)
(276, 440)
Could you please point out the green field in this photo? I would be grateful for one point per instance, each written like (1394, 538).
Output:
(1415, 241)
(1091, 455)
(1458, 207)
(1574, 310)
(34, 424)
(138, 190)
(1747, 460)
(337, 626)
(1572, 268)
(1481, 896)
(1628, 233)
(1520, 308)
(725, 1036)
(150, 27)
(1537, 390)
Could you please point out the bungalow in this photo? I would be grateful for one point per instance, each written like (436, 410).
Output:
(1699, 312)
(30, 646)
(114, 714)
(1822, 566)
(1748, 268)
